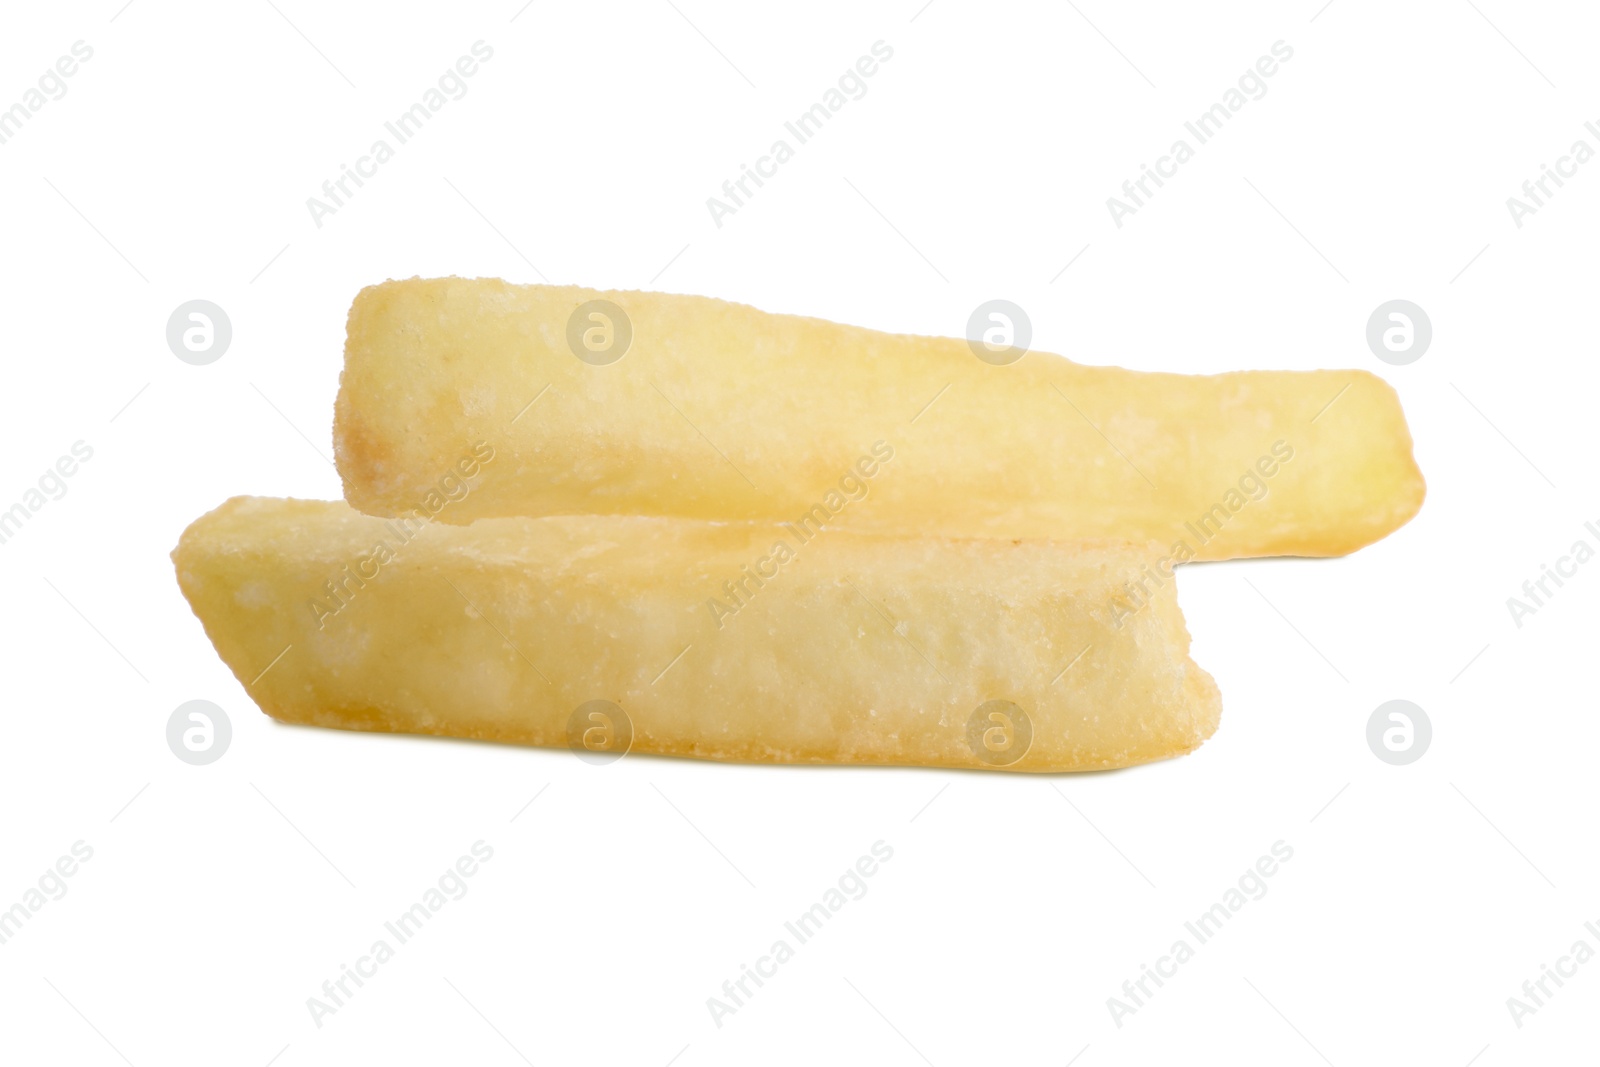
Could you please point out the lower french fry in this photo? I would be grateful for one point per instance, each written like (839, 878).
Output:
(728, 641)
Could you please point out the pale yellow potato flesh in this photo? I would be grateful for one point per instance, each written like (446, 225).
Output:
(858, 649)
(720, 411)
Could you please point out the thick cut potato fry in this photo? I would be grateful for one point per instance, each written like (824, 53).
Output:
(720, 411)
(713, 642)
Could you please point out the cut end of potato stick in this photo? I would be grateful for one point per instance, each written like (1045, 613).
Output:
(729, 641)
(620, 403)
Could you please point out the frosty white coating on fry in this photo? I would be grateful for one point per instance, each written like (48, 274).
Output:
(693, 407)
(853, 649)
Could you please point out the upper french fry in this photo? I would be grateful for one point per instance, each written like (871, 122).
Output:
(715, 410)
(701, 639)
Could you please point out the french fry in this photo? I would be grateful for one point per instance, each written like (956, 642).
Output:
(691, 638)
(693, 407)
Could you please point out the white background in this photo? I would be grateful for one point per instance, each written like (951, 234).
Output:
(1418, 899)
